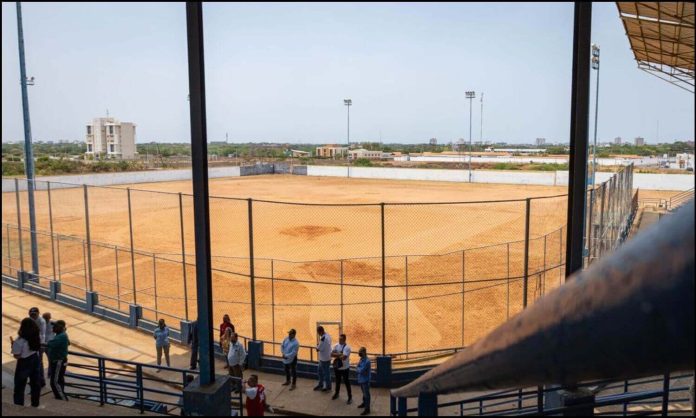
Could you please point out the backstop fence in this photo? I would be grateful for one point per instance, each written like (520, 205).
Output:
(411, 280)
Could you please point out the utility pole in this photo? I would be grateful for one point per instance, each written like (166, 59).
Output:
(481, 138)
(28, 151)
(470, 95)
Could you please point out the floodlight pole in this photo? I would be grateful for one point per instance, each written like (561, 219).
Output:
(348, 103)
(28, 152)
(595, 66)
(470, 95)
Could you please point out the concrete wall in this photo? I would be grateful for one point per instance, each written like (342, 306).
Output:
(109, 179)
(453, 158)
(547, 178)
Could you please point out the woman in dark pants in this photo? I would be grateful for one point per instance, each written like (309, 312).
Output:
(26, 350)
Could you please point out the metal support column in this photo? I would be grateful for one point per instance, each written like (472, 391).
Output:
(132, 248)
(525, 282)
(183, 255)
(384, 282)
(50, 225)
(199, 162)
(579, 130)
(89, 241)
(28, 151)
(252, 283)
(19, 226)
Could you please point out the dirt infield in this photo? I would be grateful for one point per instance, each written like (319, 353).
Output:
(463, 263)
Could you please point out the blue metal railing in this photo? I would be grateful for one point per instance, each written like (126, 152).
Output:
(132, 384)
(655, 392)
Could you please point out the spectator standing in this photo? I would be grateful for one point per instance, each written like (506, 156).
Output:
(364, 369)
(57, 349)
(26, 350)
(225, 342)
(226, 324)
(341, 363)
(235, 358)
(255, 397)
(161, 335)
(48, 336)
(34, 314)
(193, 342)
(289, 349)
(324, 350)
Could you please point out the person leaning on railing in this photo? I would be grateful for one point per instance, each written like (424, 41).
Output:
(57, 349)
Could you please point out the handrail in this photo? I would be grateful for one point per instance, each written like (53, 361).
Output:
(645, 288)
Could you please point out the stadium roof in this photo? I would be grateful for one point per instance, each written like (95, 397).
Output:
(661, 35)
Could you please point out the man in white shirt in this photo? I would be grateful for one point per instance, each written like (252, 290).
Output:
(235, 358)
(323, 369)
(341, 356)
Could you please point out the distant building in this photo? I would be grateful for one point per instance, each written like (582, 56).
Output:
(363, 153)
(107, 137)
(433, 141)
(639, 141)
(540, 141)
(331, 151)
(617, 140)
(298, 153)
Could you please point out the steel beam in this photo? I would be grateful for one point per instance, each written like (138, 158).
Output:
(199, 162)
(579, 130)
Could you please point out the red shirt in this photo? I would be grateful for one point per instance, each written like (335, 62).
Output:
(255, 407)
(224, 326)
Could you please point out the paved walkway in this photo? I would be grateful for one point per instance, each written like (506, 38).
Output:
(98, 336)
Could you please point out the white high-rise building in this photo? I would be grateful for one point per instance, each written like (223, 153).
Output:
(109, 138)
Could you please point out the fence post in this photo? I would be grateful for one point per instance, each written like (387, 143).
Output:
(118, 284)
(526, 253)
(183, 256)
(154, 279)
(58, 252)
(384, 271)
(406, 276)
(602, 232)
(132, 249)
(251, 270)
(665, 395)
(139, 386)
(100, 367)
(19, 227)
(9, 255)
(273, 307)
(341, 270)
(543, 281)
(463, 290)
(590, 227)
(89, 240)
(50, 224)
(508, 282)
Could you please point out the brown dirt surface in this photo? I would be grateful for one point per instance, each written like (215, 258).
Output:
(463, 262)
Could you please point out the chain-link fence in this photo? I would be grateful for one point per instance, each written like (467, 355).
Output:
(611, 208)
(414, 280)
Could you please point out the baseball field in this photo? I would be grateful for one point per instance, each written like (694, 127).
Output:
(453, 269)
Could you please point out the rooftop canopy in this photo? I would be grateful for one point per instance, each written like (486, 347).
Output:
(661, 35)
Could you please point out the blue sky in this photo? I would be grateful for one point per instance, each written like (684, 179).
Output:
(280, 72)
